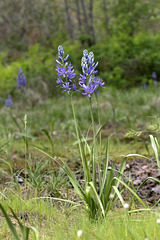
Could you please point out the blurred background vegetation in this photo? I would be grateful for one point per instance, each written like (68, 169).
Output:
(123, 34)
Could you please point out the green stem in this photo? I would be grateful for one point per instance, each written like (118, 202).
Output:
(81, 149)
(100, 141)
(25, 129)
(99, 120)
(93, 156)
(92, 118)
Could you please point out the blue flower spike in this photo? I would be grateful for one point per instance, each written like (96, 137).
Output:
(88, 81)
(65, 72)
(21, 79)
(8, 102)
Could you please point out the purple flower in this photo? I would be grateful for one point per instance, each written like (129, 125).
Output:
(60, 52)
(99, 82)
(74, 87)
(144, 85)
(8, 101)
(91, 58)
(65, 72)
(85, 53)
(21, 79)
(61, 71)
(155, 83)
(67, 87)
(88, 80)
(70, 72)
(154, 75)
(59, 81)
(82, 79)
(88, 90)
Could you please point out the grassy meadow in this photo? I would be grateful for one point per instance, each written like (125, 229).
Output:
(49, 126)
(79, 127)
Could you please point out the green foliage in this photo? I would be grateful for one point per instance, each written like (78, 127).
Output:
(100, 190)
(126, 61)
(156, 149)
(38, 67)
(125, 39)
(24, 229)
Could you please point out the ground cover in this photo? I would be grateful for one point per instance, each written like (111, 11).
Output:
(120, 111)
(61, 222)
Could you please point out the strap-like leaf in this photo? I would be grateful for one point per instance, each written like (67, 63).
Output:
(155, 147)
(105, 167)
(119, 195)
(10, 224)
(97, 199)
(138, 198)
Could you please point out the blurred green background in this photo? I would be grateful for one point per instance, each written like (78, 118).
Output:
(123, 34)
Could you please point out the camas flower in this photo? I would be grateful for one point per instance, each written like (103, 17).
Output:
(154, 75)
(65, 72)
(88, 80)
(21, 79)
(8, 101)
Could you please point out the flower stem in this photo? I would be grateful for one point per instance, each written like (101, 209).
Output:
(100, 141)
(94, 136)
(81, 149)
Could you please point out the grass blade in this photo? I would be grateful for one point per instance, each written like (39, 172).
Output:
(119, 195)
(10, 224)
(98, 200)
(105, 167)
(25, 230)
(155, 147)
(134, 193)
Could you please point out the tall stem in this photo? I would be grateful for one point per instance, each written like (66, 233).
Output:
(100, 142)
(25, 129)
(81, 149)
(94, 136)
(99, 120)
(92, 118)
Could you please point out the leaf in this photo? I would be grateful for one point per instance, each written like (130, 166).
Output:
(119, 195)
(105, 167)
(132, 133)
(10, 224)
(25, 230)
(98, 200)
(25, 135)
(69, 173)
(155, 147)
(134, 193)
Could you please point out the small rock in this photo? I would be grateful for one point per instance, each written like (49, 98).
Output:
(19, 179)
(156, 189)
(127, 167)
(137, 182)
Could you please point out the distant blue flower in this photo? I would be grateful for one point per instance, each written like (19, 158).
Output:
(144, 85)
(21, 79)
(65, 72)
(155, 83)
(154, 75)
(8, 101)
(88, 80)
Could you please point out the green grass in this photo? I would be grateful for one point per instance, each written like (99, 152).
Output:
(120, 111)
(63, 222)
